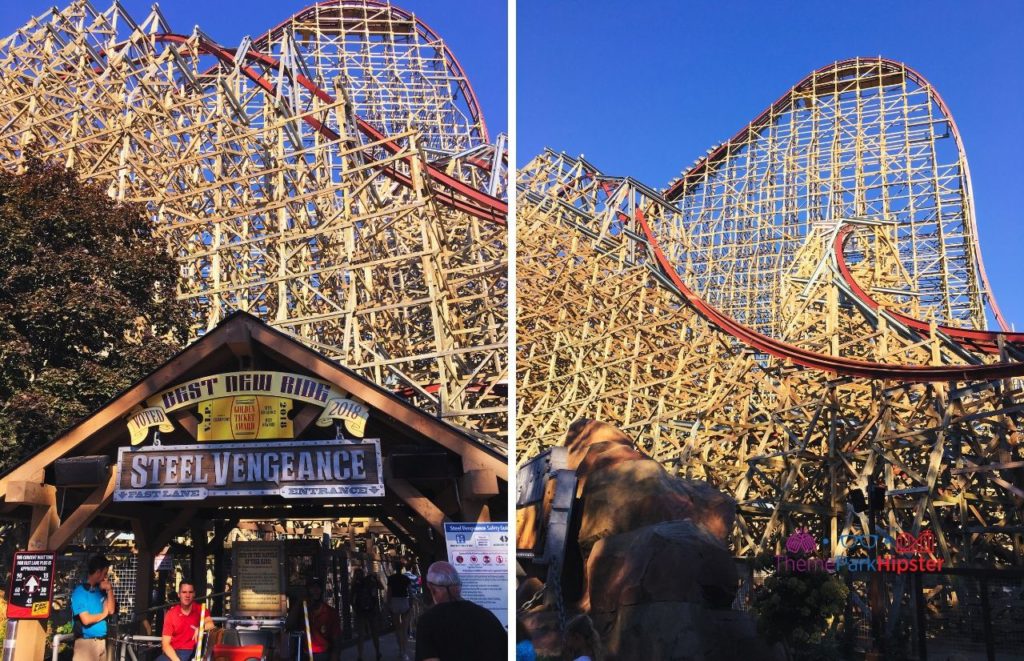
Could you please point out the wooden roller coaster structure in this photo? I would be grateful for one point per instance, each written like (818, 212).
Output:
(796, 319)
(334, 177)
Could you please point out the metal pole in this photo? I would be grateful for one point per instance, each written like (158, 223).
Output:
(9, 640)
(199, 632)
(309, 635)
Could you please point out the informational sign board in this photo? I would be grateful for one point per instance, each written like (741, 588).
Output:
(297, 469)
(258, 588)
(31, 589)
(479, 551)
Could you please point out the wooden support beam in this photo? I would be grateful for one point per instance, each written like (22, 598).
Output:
(185, 420)
(430, 545)
(23, 492)
(478, 486)
(143, 579)
(44, 522)
(420, 504)
(174, 527)
(199, 553)
(81, 517)
(305, 417)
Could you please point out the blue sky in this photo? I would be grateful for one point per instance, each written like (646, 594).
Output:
(475, 31)
(642, 89)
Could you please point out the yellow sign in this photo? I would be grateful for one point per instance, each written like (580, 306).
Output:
(245, 418)
(142, 419)
(247, 406)
(352, 412)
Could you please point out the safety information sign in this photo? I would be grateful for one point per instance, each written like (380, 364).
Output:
(479, 551)
(31, 588)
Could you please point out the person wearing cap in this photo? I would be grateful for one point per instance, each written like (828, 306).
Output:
(180, 634)
(455, 629)
(92, 603)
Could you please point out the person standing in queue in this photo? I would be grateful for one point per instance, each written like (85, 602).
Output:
(92, 602)
(399, 604)
(181, 626)
(455, 629)
(366, 607)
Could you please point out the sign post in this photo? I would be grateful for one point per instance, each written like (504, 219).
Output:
(479, 552)
(31, 589)
(259, 579)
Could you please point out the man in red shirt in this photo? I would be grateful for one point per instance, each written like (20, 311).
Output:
(181, 626)
(324, 624)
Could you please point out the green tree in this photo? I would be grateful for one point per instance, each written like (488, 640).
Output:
(799, 610)
(86, 303)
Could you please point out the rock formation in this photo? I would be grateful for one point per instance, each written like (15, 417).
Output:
(658, 578)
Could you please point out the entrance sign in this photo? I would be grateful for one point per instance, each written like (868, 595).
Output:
(258, 586)
(299, 469)
(479, 551)
(247, 405)
(31, 587)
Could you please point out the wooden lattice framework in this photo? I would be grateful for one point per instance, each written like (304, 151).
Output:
(862, 138)
(748, 359)
(332, 177)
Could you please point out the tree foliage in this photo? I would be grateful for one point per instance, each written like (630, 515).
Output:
(87, 303)
(798, 609)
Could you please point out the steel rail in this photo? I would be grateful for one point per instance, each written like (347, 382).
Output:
(490, 208)
(833, 364)
(983, 340)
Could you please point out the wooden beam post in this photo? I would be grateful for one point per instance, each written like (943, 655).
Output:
(31, 634)
(144, 574)
(478, 486)
(419, 503)
(199, 548)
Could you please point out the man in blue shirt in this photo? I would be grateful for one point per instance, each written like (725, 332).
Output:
(92, 603)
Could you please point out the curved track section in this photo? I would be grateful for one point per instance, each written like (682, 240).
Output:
(384, 250)
(397, 71)
(991, 342)
(861, 138)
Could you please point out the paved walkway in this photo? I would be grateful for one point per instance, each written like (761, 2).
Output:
(388, 649)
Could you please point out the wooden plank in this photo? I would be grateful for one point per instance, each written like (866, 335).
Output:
(21, 492)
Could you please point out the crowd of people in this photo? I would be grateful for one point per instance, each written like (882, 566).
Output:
(452, 629)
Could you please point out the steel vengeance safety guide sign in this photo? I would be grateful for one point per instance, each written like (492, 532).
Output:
(479, 552)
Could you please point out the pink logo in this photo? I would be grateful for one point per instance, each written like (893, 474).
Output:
(925, 543)
(801, 541)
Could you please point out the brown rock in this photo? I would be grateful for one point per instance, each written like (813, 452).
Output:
(671, 561)
(681, 631)
(637, 493)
